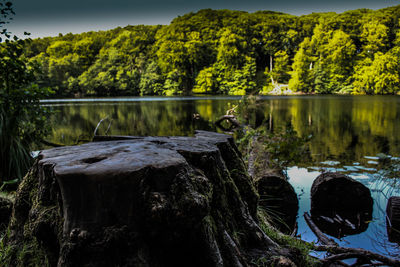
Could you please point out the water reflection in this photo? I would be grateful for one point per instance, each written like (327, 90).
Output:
(73, 122)
(345, 129)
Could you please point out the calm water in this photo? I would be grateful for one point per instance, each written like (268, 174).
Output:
(347, 134)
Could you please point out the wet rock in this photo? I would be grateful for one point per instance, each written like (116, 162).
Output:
(141, 201)
(340, 205)
(393, 219)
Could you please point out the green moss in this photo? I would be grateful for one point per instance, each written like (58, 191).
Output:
(208, 220)
(301, 248)
(31, 255)
(32, 225)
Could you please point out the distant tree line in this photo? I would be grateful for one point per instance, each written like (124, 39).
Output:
(227, 52)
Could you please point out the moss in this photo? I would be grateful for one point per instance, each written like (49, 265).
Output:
(35, 229)
(28, 253)
(300, 248)
(208, 220)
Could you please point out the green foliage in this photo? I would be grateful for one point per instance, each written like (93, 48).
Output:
(28, 255)
(221, 52)
(284, 147)
(380, 76)
(302, 66)
(206, 82)
(151, 81)
(22, 119)
(280, 72)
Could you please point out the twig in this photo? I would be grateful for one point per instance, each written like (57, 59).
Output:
(98, 125)
(321, 236)
(341, 256)
(296, 228)
(358, 253)
(47, 143)
(108, 128)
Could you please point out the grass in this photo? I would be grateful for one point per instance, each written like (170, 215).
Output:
(15, 159)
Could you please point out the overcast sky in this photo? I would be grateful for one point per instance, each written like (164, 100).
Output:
(50, 17)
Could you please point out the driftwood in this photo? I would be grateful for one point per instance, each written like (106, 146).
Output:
(47, 143)
(356, 253)
(98, 125)
(342, 253)
(321, 236)
(231, 119)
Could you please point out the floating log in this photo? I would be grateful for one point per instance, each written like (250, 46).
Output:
(337, 197)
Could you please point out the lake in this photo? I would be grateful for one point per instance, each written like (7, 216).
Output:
(348, 132)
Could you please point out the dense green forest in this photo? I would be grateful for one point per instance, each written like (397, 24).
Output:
(228, 52)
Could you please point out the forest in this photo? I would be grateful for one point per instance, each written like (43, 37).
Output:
(227, 52)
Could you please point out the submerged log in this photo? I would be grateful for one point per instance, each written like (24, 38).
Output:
(340, 205)
(142, 201)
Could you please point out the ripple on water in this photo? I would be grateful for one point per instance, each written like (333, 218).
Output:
(330, 163)
(350, 168)
(366, 169)
(371, 157)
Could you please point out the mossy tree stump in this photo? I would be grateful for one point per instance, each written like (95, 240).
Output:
(142, 201)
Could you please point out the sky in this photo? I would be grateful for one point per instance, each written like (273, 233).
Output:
(50, 17)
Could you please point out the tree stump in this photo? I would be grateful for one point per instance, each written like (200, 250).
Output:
(142, 201)
(340, 205)
(393, 219)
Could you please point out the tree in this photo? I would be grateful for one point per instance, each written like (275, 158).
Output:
(151, 82)
(301, 79)
(280, 72)
(337, 57)
(380, 76)
(374, 37)
(205, 52)
(23, 121)
(206, 82)
(231, 49)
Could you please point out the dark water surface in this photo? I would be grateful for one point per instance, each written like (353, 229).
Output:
(348, 132)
